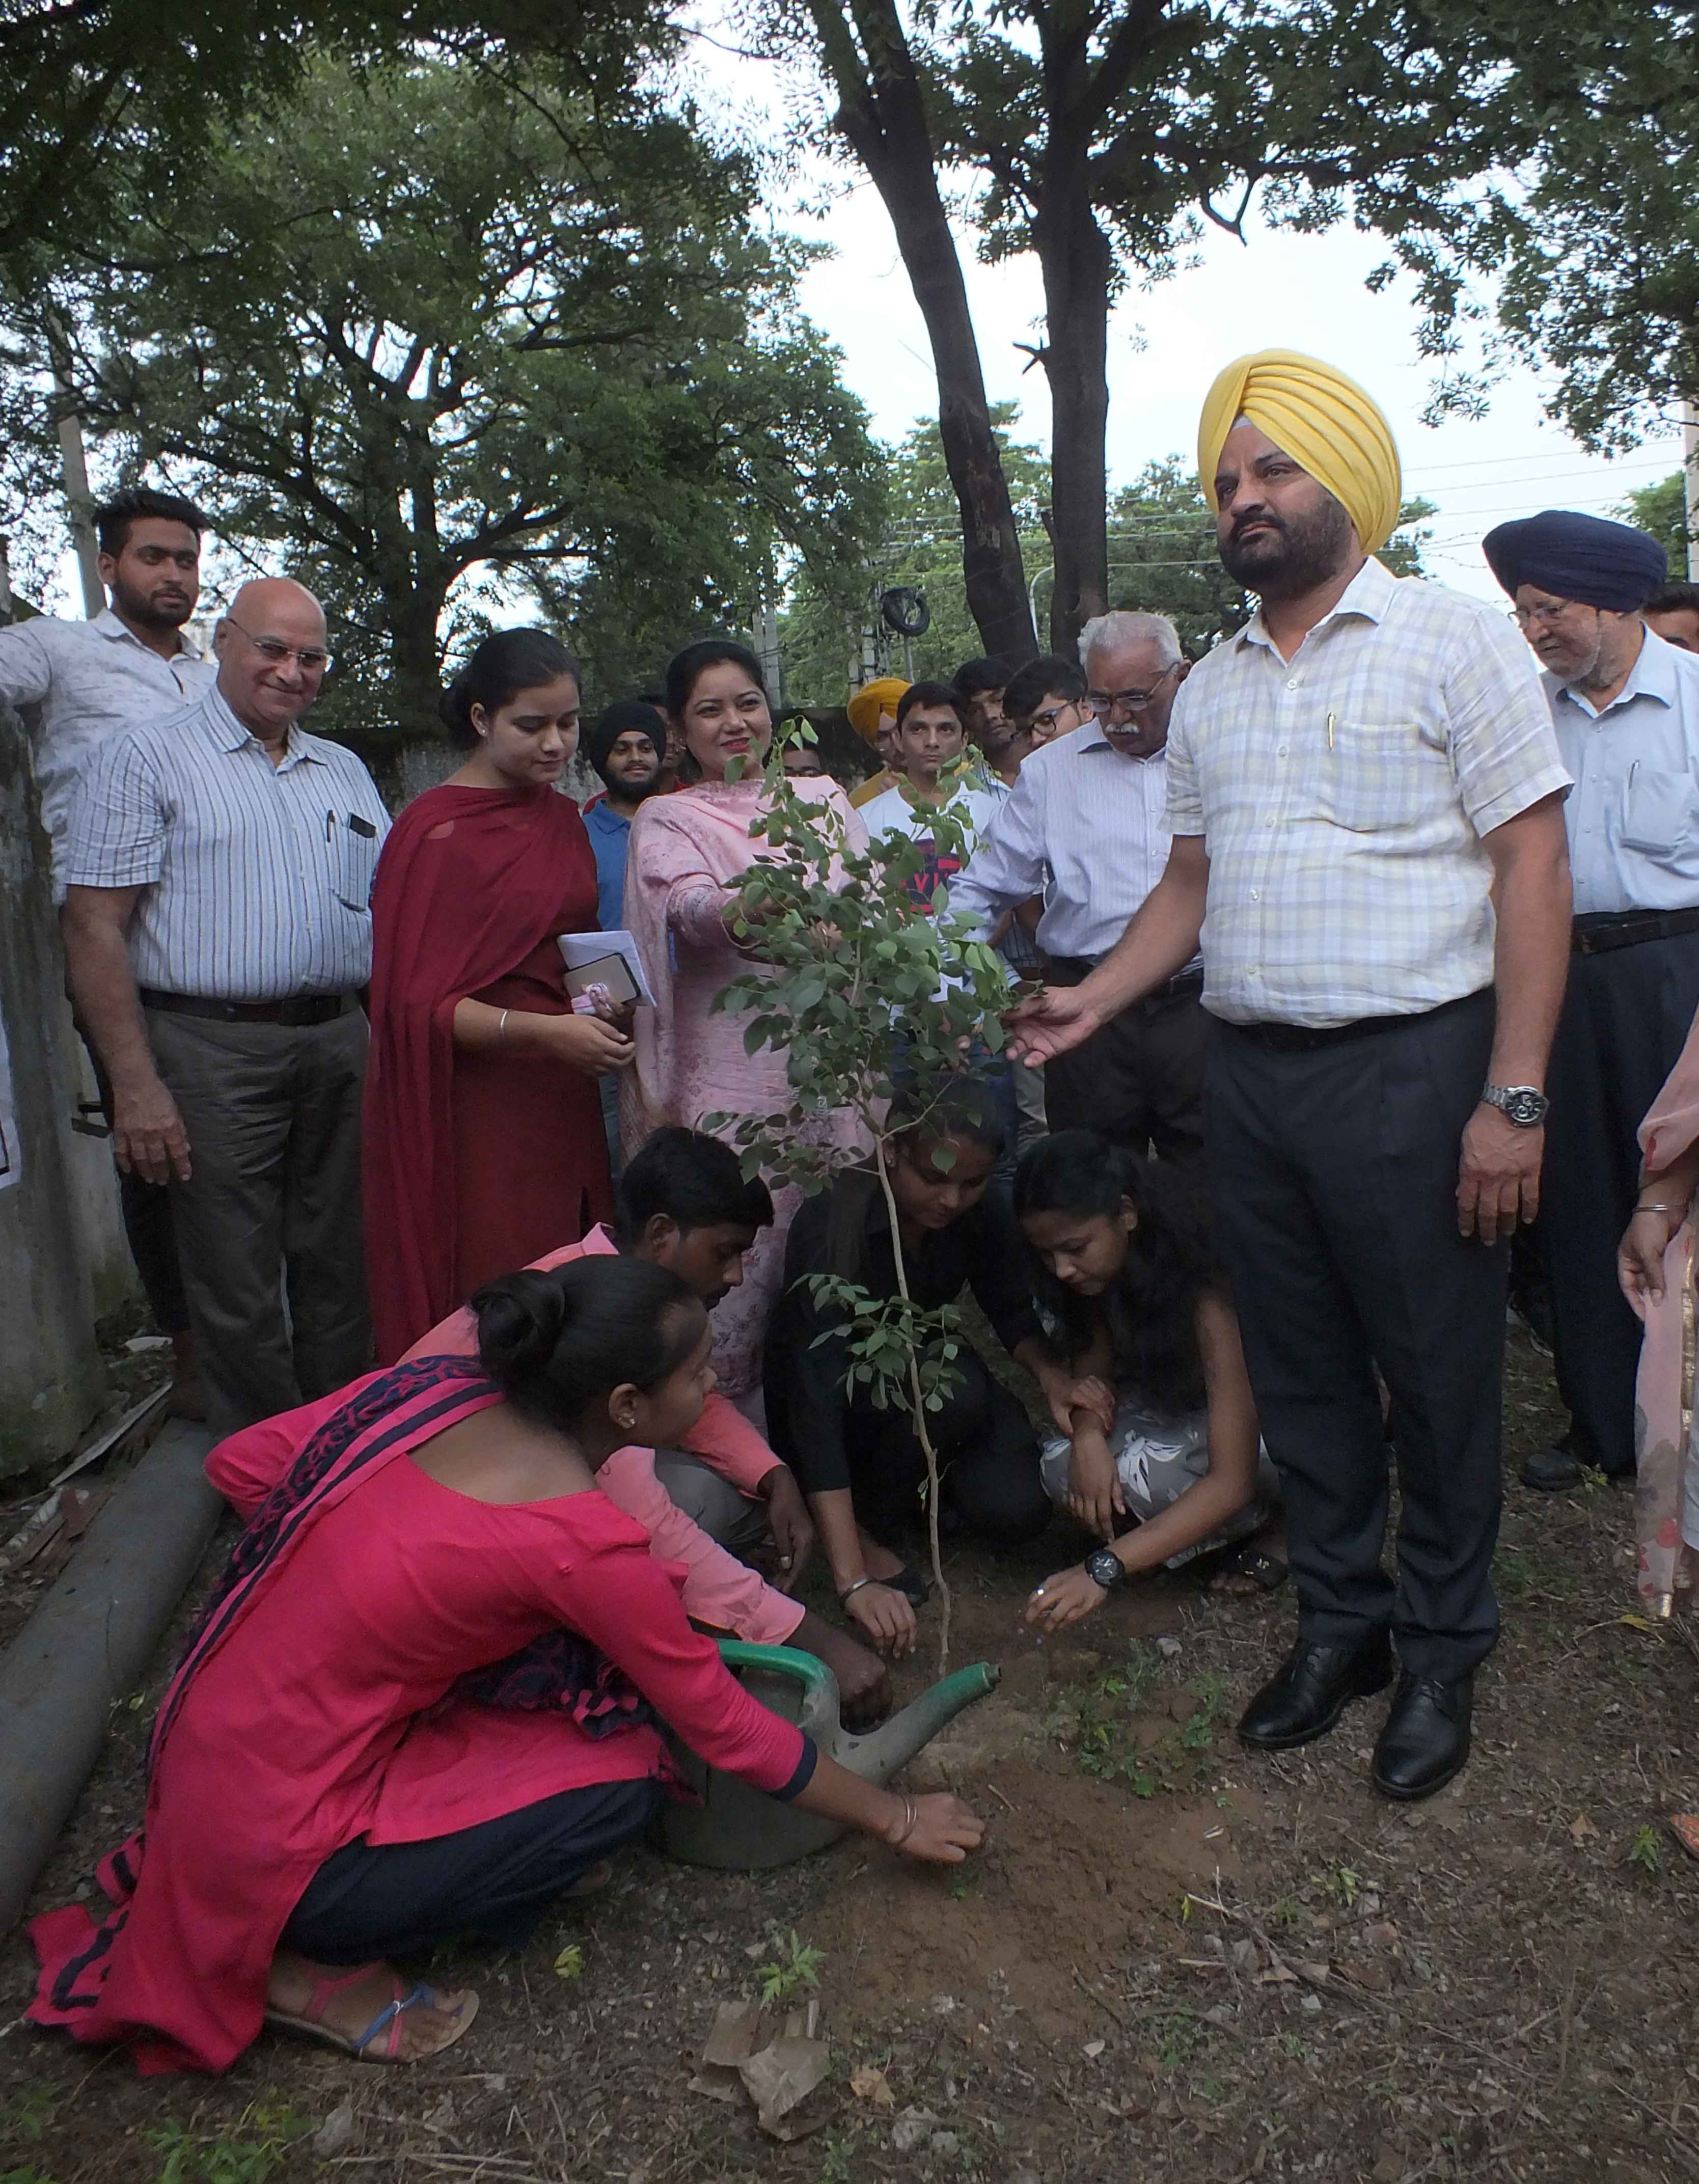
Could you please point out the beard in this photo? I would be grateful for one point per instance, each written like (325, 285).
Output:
(1294, 555)
(139, 607)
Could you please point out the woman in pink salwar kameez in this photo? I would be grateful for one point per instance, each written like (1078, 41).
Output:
(688, 854)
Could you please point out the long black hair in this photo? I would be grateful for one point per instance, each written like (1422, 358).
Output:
(554, 1341)
(497, 669)
(1170, 1259)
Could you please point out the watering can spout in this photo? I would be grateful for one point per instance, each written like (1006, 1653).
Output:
(877, 1758)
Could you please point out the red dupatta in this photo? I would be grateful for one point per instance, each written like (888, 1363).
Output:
(468, 884)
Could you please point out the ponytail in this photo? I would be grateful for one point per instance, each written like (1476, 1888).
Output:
(555, 1342)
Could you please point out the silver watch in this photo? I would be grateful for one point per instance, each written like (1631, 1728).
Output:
(1525, 1107)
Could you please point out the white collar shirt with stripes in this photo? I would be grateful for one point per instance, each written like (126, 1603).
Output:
(88, 680)
(256, 879)
(1085, 827)
(1634, 817)
(1342, 797)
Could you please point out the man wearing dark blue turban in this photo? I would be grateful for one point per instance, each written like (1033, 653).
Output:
(1625, 705)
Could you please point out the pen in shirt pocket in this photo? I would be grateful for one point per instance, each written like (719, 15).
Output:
(1330, 729)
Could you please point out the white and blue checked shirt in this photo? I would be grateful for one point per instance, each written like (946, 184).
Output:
(256, 879)
(1343, 795)
(1086, 827)
(91, 680)
(1634, 818)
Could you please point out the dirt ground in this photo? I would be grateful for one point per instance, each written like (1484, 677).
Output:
(1173, 1960)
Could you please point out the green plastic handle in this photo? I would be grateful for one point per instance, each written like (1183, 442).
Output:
(782, 1660)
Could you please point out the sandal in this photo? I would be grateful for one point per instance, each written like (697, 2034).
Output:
(311, 2020)
(593, 1879)
(915, 1588)
(1262, 1573)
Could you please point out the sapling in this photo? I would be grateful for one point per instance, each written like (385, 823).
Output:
(865, 995)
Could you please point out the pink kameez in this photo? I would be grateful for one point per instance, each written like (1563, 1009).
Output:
(1666, 1460)
(688, 853)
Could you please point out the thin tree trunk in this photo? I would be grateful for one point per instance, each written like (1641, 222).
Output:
(1077, 265)
(918, 1413)
(883, 117)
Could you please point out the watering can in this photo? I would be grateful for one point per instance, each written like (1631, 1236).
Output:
(743, 1829)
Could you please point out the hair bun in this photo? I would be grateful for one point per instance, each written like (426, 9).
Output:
(454, 706)
(519, 1318)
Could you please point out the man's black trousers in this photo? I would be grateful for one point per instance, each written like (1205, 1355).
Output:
(1334, 1172)
(1626, 1016)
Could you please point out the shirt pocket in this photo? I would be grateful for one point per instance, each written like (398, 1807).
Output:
(1374, 776)
(353, 863)
(1660, 812)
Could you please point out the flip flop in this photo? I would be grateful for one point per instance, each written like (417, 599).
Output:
(1264, 1573)
(593, 1879)
(311, 2024)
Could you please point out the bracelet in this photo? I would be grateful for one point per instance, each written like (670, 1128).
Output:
(501, 1028)
(1655, 1206)
(850, 1589)
(910, 1821)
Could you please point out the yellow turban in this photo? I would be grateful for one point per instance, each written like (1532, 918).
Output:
(872, 699)
(1322, 420)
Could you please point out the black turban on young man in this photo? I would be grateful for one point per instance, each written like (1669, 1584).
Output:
(625, 716)
(1578, 557)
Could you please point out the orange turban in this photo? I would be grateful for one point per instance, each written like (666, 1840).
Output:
(872, 699)
(1323, 420)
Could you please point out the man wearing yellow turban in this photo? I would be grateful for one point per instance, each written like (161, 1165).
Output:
(873, 715)
(1365, 795)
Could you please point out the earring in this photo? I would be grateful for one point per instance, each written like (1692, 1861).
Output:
(626, 1419)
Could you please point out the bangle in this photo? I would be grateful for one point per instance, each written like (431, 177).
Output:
(910, 1821)
(501, 1028)
(850, 1590)
(1656, 1205)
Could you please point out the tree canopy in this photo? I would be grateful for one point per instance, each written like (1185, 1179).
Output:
(441, 327)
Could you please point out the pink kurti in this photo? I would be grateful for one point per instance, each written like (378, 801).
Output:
(688, 853)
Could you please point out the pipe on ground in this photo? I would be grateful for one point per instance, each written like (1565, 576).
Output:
(89, 1641)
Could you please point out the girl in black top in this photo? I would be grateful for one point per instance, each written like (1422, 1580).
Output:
(1165, 1431)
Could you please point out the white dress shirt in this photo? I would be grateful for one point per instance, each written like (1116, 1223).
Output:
(1085, 827)
(1634, 815)
(256, 879)
(90, 679)
(1343, 795)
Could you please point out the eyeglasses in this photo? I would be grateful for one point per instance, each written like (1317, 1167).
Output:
(1046, 722)
(1546, 613)
(1129, 701)
(314, 659)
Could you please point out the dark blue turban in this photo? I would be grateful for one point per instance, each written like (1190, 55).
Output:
(625, 716)
(1578, 557)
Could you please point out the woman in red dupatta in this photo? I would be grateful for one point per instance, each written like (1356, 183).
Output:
(689, 853)
(484, 1145)
(423, 1698)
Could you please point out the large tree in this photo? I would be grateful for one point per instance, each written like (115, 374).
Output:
(443, 323)
(1100, 134)
(1590, 233)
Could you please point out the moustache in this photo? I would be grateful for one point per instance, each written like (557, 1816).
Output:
(1256, 517)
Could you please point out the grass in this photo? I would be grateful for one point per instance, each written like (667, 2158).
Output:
(191, 2157)
(794, 1969)
(1102, 1720)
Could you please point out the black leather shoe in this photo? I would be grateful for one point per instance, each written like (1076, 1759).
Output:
(1426, 1738)
(1553, 1470)
(1307, 1695)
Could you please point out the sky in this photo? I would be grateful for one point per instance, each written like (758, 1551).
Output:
(1166, 343)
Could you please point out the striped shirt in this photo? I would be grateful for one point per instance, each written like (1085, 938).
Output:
(90, 679)
(1085, 827)
(1343, 795)
(256, 879)
(1634, 818)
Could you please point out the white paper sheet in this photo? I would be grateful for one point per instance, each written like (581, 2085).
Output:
(578, 949)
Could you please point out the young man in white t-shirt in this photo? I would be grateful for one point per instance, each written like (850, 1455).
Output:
(931, 739)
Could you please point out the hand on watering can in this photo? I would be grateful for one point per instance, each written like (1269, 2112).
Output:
(938, 1830)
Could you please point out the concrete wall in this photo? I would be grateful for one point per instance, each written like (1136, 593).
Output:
(50, 1379)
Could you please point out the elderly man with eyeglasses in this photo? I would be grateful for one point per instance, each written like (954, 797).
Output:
(1625, 705)
(218, 932)
(1085, 827)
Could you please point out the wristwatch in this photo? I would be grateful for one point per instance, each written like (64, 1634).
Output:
(1525, 1107)
(1103, 1566)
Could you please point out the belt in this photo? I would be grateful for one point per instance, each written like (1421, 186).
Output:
(1597, 932)
(1305, 1039)
(1072, 970)
(299, 1010)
